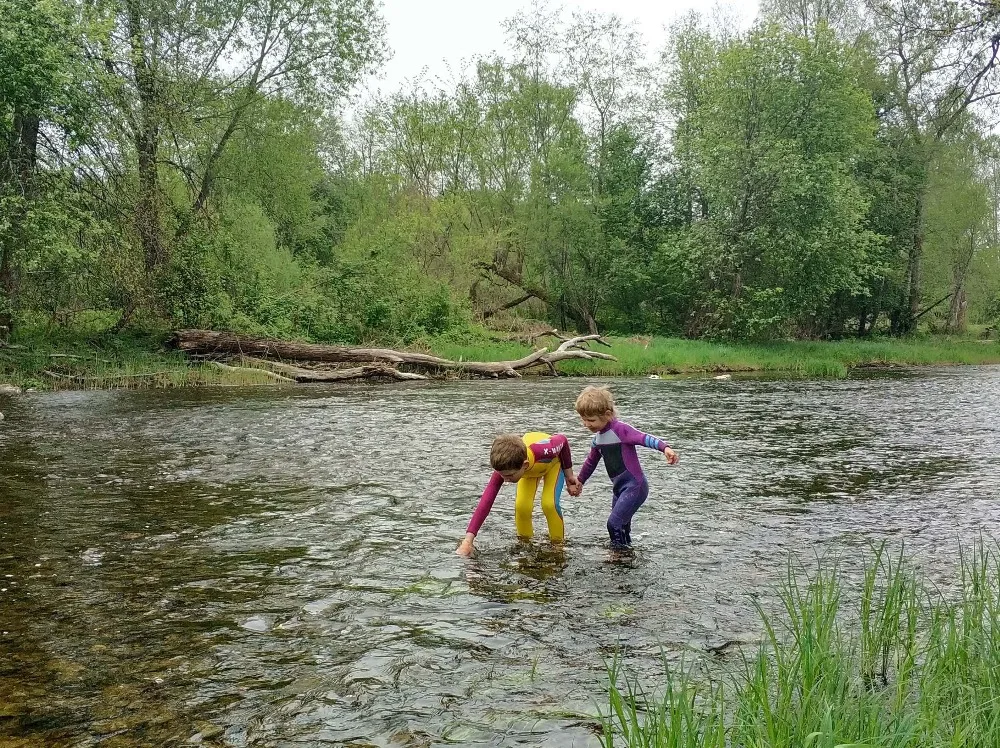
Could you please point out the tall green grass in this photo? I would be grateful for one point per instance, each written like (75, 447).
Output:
(905, 665)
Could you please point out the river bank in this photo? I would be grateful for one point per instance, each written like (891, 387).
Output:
(67, 359)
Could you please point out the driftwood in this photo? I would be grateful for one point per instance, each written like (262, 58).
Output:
(299, 374)
(210, 342)
(530, 339)
(375, 362)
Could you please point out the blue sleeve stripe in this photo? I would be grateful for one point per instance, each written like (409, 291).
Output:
(654, 443)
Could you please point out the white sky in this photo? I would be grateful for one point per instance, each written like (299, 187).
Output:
(434, 34)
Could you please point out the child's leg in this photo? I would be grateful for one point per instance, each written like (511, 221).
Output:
(524, 504)
(552, 487)
(629, 496)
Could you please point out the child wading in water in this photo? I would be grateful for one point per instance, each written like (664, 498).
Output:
(616, 441)
(524, 461)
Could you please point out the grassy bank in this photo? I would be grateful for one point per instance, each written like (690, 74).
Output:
(905, 666)
(86, 359)
(41, 357)
(643, 356)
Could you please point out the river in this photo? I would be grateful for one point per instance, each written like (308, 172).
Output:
(275, 567)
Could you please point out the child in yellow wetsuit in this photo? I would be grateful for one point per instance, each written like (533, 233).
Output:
(526, 461)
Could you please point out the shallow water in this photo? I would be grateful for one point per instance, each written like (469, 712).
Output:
(274, 567)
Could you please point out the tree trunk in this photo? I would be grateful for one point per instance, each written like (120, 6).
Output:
(147, 209)
(913, 266)
(16, 180)
(147, 144)
(957, 320)
(959, 301)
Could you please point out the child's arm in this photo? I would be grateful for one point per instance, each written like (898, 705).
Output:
(589, 465)
(630, 435)
(482, 512)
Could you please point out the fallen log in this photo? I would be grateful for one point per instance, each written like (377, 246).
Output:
(376, 362)
(210, 342)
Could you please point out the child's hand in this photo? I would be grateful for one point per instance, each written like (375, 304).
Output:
(573, 485)
(465, 548)
(671, 455)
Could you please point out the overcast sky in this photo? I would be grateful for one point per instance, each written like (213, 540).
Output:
(433, 34)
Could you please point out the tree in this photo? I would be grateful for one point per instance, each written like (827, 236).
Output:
(603, 62)
(770, 142)
(183, 79)
(806, 18)
(959, 215)
(40, 59)
(941, 60)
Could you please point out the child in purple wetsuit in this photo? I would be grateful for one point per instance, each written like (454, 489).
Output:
(615, 441)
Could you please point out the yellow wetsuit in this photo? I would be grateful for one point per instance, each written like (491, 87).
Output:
(547, 457)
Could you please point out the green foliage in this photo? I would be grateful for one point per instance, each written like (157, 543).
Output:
(783, 183)
(770, 143)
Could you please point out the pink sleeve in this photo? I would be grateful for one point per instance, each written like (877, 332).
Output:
(589, 464)
(485, 503)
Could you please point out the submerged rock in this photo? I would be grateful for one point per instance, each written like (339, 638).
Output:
(10, 389)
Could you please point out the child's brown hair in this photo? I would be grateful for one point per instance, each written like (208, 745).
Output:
(508, 453)
(595, 401)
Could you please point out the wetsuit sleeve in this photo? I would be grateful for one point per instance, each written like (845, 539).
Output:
(485, 503)
(556, 446)
(589, 464)
(633, 436)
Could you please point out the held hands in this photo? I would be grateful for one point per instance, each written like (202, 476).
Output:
(672, 457)
(573, 486)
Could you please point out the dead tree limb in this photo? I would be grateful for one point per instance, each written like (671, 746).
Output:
(210, 342)
(376, 362)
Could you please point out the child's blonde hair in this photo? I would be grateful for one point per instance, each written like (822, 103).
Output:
(595, 401)
(508, 452)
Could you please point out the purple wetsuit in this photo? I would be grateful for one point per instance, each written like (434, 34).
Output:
(616, 443)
